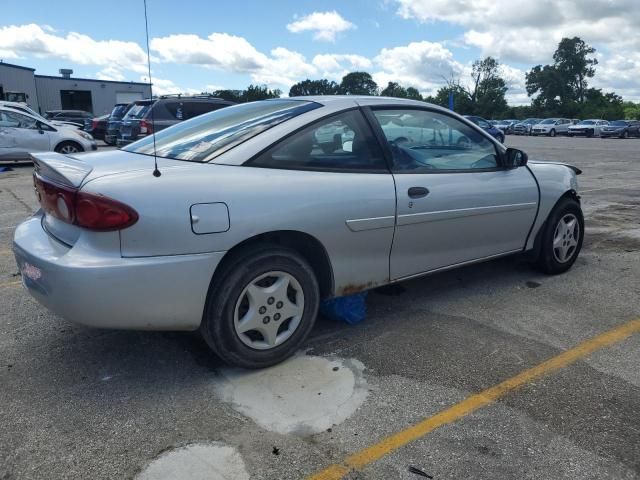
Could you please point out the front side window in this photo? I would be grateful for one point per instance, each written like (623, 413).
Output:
(203, 138)
(16, 120)
(343, 142)
(423, 141)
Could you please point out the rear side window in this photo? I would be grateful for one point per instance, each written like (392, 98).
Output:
(176, 110)
(194, 109)
(203, 138)
(118, 111)
(343, 142)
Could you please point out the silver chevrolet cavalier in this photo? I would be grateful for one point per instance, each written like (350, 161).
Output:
(258, 212)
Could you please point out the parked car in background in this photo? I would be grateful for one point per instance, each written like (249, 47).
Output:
(75, 116)
(524, 127)
(114, 122)
(22, 134)
(551, 127)
(588, 128)
(24, 108)
(96, 127)
(621, 129)
(110, 246)
(506, 126)
(154, 115)
(575, 121)
(487, 127)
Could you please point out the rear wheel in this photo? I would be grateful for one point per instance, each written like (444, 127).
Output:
(500, 138)
(261, 307)
(625, 134)
(69, 147)
(562, 237)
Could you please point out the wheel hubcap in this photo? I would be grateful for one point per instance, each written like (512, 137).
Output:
(68, 149)
(565, 238)
(269, 310)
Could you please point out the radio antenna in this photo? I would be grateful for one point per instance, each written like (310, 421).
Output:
(156, 172)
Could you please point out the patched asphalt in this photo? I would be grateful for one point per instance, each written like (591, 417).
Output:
(80, 403)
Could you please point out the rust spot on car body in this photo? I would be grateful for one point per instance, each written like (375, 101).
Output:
(351, 289)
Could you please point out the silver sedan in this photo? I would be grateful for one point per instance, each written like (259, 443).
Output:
(258, 212)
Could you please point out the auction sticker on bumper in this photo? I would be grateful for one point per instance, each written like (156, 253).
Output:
(31, 272)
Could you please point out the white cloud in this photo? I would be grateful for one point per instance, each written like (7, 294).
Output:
(335, 66)
(325, 25)
(422, 65)
(33, 40)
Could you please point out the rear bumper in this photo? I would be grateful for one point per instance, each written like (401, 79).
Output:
(102, 289)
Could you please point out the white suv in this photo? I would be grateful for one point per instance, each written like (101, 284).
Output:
(22, 134)
(551, 127)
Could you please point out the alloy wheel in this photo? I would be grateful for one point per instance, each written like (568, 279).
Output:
(566, 238)
(269, 310)
(69, 149)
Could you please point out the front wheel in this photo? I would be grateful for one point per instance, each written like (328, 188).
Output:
(261, 308)
(561, 239)
(500, 138)
(69, 147)
(552, 133)
(625, 134)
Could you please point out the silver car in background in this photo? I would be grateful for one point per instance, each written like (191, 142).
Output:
(258, 212)
(552, 127)
(22, 134)
(524, 127)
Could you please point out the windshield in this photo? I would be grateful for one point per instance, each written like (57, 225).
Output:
(118, 111)
(204, 137)
(138, 111)
(587, 122)
(531, 121)
(618, 123)
(548, 121)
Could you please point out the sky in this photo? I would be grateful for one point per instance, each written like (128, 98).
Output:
(199, 45)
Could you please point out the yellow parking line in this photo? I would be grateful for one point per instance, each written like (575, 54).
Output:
(469, 405)
(6, 253)
(10, 283)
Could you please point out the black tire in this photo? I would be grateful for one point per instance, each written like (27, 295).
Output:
(500, 138)
(547, 261)
(63, 147)
(217, 326)
(625, 134)
(552, 133)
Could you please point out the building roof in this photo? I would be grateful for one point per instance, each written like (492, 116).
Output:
(11, 65)
(91, 80)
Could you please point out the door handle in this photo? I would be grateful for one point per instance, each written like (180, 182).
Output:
(418, 192)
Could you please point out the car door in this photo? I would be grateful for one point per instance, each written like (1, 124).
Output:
(455, 201)
(19, 134)
(338, 189)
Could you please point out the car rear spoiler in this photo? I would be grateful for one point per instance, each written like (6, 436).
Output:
(62, 169)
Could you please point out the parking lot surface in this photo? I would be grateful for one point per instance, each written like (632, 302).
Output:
(80, 403)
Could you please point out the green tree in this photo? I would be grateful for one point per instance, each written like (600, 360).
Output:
(461, 100)
(413, 94)
(573, 61)
(394, 89)
(601, 105)
(631, 110)
(488, 88)
(560, 89)
(314, 87)
(230, 95)
(258, 92)
(358, 83)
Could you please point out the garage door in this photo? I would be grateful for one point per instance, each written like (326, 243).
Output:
(128, 97)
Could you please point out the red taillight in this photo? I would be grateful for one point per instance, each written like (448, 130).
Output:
(87, 210)
(146, 127)
(94, 124)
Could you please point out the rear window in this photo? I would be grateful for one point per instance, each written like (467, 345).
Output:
(203, 138)
(138, 111)
(118, 111)
(618, 123)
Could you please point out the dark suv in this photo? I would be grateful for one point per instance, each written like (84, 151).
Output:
(167, 110)
(115, 120)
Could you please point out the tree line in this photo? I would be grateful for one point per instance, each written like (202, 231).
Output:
(559, 89)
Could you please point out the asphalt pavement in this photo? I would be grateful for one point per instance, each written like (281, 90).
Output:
(394, 397)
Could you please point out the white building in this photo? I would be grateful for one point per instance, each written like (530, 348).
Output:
(44, 92)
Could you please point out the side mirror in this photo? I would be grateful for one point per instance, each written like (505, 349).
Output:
(515, 158)
(39, 127)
